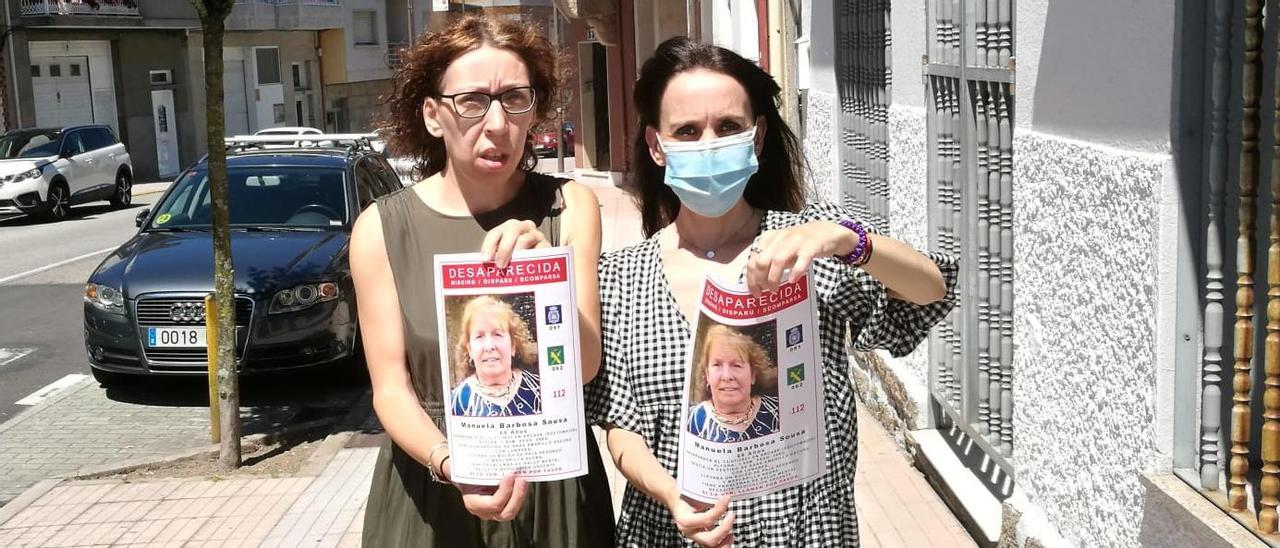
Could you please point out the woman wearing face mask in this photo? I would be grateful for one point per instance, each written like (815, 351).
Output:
(464, 101)
(731, 380)
(718, 183)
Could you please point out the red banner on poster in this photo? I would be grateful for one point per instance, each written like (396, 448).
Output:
(486, 275)
(741, 306)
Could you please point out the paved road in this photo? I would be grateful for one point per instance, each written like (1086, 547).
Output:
(43, 315)
(41, 290)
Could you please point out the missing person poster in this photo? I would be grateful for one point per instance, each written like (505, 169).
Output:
(511, 376)
(752, 411)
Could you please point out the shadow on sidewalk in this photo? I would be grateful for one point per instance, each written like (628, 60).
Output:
(306, 389)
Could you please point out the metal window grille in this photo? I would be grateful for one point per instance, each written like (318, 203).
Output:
(863, 82)
(968, 77)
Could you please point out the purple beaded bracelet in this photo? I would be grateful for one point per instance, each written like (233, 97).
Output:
(862, 251)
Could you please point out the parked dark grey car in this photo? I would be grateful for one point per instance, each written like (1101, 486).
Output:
(291, 215)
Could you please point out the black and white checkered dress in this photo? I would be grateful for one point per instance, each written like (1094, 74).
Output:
(639, 386)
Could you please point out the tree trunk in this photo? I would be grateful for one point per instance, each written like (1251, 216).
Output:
(213, 14)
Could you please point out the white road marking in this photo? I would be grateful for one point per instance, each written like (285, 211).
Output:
(53, 388)
(10, 355)
(65, 262)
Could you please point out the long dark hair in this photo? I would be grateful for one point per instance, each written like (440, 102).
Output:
(777, 185)
(424, 65)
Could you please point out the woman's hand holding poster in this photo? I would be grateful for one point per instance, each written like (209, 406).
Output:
(753, 393)
(511, 377)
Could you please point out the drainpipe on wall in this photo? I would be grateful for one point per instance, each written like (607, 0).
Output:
(324, 106)
(13, 63)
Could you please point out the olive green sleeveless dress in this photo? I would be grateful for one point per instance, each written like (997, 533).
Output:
(405, 507)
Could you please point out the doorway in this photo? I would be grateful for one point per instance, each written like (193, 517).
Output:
(165, 125)
(595, 106)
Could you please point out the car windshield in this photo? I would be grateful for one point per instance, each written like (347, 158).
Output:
(29, 144)
(304, 198)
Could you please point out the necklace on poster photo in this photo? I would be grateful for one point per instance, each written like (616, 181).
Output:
(500, 392)
(734, 419)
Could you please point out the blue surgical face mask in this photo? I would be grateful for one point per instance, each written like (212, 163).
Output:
(709, 176)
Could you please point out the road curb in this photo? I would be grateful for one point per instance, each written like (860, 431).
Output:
(35, 409)
(27, 497)
(338, 440)
(251, 442)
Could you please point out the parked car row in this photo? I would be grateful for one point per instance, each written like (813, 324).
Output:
(292, 206)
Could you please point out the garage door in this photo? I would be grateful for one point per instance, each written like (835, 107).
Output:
(235, 99)
(61, 88)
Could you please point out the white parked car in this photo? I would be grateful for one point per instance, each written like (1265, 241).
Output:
(289, 131)
(43, 172)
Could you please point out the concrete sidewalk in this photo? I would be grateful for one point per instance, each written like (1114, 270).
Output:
(896, 507)
(323, 505)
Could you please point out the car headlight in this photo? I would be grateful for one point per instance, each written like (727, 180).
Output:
(303, 296)
(33, 173)
(104, 298)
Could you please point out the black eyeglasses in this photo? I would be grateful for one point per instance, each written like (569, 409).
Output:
(475, 104)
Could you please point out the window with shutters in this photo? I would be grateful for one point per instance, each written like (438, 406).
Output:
(365, 27)
(268, 61)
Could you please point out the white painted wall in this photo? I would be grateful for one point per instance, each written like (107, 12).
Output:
(368, 62)
(1094, 324)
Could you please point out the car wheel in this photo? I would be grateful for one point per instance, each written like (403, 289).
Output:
(123, 195)
(109, 379)
(58, 204)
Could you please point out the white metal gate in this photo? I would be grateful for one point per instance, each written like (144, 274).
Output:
(61, 90)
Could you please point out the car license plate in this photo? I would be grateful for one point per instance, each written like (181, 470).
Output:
(182, 337)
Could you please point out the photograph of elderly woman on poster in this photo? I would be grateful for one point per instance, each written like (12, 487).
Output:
(734, 391)
(494, 358)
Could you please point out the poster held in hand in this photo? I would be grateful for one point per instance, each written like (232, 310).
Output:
(752, 411)
(509, 355)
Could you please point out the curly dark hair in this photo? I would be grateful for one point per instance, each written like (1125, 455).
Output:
(424, 64)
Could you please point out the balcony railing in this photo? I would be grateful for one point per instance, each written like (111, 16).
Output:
(110, 8)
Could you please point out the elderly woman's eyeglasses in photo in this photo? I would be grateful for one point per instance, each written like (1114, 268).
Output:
(475, 104)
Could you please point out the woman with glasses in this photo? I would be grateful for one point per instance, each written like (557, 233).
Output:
(464, 102)
(718, 181)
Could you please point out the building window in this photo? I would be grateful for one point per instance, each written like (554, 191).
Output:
(55, 71)
(365, 27)
(75, 70)
(268, 65)
(297, 76)
(35, 71)
(277, 110)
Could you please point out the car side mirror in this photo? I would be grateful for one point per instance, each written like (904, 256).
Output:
(141, 218)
